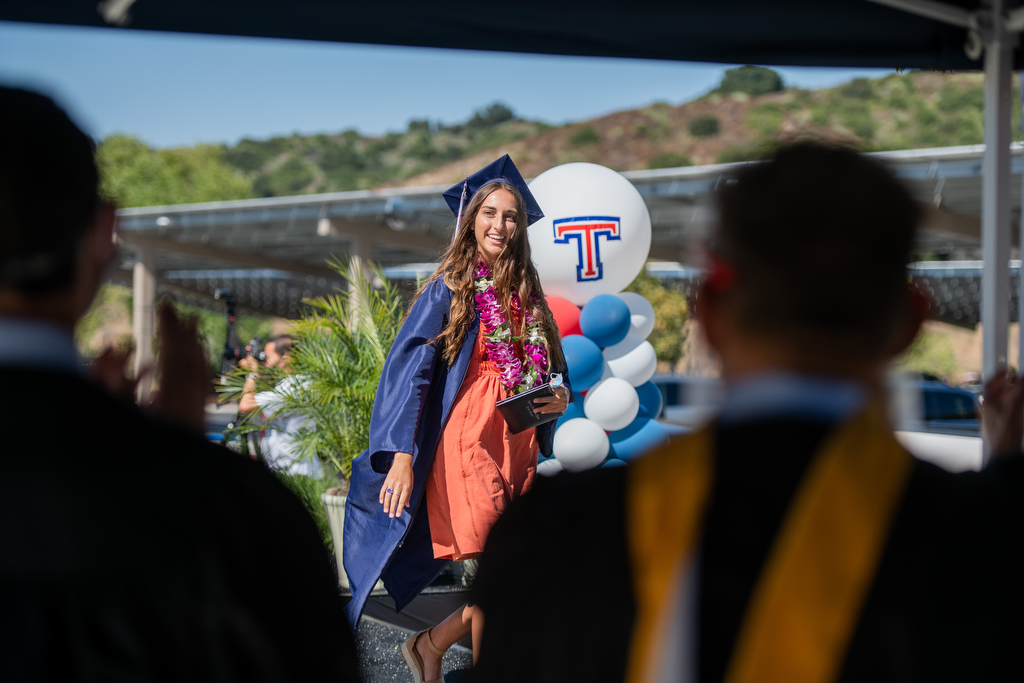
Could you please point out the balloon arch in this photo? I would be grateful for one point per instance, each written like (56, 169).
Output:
(593, 241)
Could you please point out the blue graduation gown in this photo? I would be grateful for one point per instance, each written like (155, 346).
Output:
(414, 398)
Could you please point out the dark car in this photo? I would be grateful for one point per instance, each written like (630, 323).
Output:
(944, 409)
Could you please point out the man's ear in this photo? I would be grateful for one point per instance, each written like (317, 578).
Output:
(708, 310)
(102, 248)
(918, 304)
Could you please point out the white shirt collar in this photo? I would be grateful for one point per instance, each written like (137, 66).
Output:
(787, 394)
(37, 345)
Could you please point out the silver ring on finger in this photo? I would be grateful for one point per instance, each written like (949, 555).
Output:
(389, 491)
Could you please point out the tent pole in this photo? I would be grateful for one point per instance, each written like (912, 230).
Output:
(1020, 273)
(995, 206)
(143, 321)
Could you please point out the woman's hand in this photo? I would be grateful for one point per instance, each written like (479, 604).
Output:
(1002, 413)
(397, 488)
(552, 404)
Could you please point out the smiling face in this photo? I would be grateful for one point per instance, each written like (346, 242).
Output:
(495, 223)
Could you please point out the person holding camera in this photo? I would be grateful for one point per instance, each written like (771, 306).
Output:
(277, 446)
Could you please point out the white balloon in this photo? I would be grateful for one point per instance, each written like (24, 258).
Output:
(611, 403)
(641, 314)
(580, 444)
(595, 235)
(633, 359)
(549, 468)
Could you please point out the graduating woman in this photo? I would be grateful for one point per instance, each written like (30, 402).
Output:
(442, 463)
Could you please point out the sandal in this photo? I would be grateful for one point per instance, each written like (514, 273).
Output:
(413, 659)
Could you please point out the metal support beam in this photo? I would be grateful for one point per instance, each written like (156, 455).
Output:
(143, 320)
(155, 243)
(376, 234)
(995, 193)
(939, 11)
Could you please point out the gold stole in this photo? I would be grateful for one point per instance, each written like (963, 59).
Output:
(807, 600)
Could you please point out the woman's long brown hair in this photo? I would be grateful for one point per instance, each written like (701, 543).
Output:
(513, 269)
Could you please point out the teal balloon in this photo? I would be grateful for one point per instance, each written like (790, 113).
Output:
(605, 320)
(586, 364)
(574, 410)
(651, 400)
(613, 462)
(642, 435)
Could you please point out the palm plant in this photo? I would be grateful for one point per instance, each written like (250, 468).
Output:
(339, 353)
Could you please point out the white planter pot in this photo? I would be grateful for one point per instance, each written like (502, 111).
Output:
(335, 507)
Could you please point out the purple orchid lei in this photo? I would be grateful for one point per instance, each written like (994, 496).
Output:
(517, 375)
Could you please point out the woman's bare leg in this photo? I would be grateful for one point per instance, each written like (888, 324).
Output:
(477, 625)
(459, 625)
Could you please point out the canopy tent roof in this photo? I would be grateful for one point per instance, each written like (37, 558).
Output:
(784, 32)
(274, 250)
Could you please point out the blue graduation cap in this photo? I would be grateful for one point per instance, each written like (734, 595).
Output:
(501, 170)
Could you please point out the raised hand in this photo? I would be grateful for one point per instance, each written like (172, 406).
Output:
(1002, 413)
(184, 373)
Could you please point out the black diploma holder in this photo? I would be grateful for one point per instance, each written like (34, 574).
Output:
(519, 412)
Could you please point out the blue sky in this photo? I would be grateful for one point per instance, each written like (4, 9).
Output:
(176, 89)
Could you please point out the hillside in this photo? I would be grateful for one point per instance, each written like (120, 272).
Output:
(350, 161)
(747, 114)
(913, 110)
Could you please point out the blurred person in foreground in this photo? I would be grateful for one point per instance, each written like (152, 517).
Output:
(130, 548)
(792, 538)
(277, 443)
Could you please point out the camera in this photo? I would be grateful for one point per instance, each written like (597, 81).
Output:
(254, 349)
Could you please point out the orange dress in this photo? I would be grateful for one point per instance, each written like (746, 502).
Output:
(479, 467)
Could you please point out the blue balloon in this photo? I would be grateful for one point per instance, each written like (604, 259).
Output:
(642, 435)
(613, 462)
(574, 410)
(651, 400)
(586, 364)
(605, 320)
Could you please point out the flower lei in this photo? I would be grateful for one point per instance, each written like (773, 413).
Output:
(517, 375)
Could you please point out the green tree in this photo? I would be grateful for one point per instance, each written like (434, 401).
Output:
(753, 80)
(670, 315)
(132, 174)
(705, 126)
(492, 115)
(291, 177)
(583, 136)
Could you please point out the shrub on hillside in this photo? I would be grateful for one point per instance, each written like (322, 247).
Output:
(957, 99)
(583, 136)
(250, 155)
(492, 115)
(753, 80)
(291, 177)
(766, 119)
(669, 160)
(859, 89)
(705, 126)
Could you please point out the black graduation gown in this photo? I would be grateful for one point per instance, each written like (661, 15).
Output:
(131, 550)
(946, 604)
